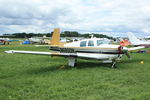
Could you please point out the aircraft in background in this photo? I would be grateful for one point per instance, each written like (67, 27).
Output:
(48, 40)
(40, 40)
(55, 40)
(137, 42)
(35, 40)
(4, 41)
(93, 48)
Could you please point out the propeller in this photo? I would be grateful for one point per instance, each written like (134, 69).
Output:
(127, 54)
(124, 50)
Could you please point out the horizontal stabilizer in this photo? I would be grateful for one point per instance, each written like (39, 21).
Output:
(136, 48)
(135, 41)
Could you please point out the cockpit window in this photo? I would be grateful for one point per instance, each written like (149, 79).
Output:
(91, 43)
(83, 44)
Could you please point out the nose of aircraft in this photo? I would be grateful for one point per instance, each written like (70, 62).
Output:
(123, 50)
(120, 49)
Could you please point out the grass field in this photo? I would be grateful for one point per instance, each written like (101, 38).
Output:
(38, 77)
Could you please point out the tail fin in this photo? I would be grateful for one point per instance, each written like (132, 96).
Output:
(133, 39)
(55, 37)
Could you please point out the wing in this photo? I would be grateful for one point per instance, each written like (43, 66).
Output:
(41, 53)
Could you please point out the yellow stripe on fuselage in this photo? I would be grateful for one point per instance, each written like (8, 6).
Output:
(87, 47)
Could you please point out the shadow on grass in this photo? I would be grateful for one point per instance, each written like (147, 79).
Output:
(47, 69)
(6, 76)
(59, 67)
(81, 65)
(55, 68)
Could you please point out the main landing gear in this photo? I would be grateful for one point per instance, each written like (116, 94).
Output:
(72, 61)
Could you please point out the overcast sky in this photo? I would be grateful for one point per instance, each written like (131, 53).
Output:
(76, 15)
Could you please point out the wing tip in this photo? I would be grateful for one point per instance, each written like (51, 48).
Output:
(9, 51)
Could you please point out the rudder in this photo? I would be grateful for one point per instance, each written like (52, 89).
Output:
(55, 37)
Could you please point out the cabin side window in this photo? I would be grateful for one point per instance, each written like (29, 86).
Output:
(83, 44)
(91, 43)
(99, 42)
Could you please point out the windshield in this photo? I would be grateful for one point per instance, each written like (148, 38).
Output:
(99, 42)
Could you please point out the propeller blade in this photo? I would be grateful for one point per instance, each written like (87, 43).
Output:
(126, 52)
(128, 55)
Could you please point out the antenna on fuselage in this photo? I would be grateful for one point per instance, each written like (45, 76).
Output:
(92, 36)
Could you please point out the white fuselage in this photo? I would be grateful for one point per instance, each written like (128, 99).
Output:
(94, 49)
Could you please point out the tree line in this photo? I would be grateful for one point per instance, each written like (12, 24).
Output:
(63, 34)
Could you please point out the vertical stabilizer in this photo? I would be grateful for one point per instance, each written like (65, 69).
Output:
(133, 39)
(55, 37)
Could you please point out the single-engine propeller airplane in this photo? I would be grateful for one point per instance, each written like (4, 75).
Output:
(93, 48)
(137, 42)
(4, 41)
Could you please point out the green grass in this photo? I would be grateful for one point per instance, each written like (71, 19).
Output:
(38, 77)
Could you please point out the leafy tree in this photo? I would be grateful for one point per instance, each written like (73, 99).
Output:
(63, 34)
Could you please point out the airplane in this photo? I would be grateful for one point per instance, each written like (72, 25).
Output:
(4, 41)
(40, 40)
(93, 48)
(46, 40)
(137, 42)
(36, 40)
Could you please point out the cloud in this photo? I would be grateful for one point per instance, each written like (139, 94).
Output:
(79, 15)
